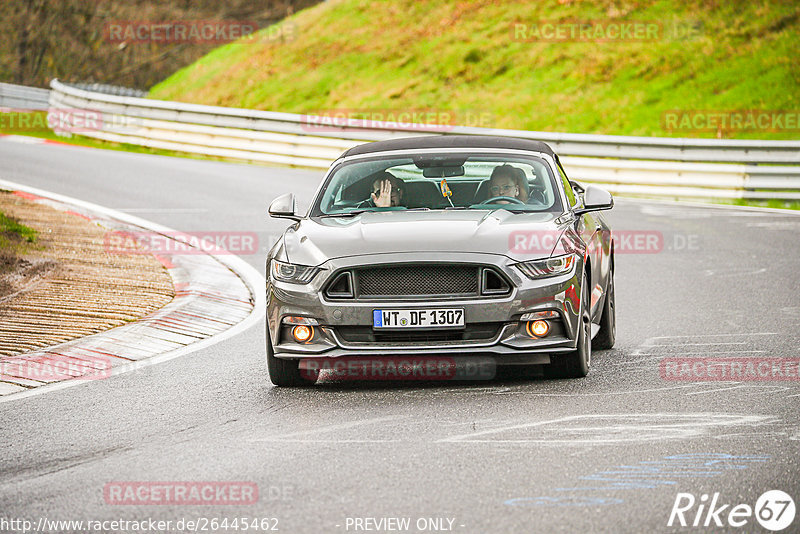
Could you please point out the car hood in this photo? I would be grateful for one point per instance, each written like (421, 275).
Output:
(316, 240)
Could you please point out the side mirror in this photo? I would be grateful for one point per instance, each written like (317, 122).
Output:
(284, 207)
(596, 199)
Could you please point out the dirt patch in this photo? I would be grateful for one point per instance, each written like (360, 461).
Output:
(18, 274)
(16, 271)
(66, 284)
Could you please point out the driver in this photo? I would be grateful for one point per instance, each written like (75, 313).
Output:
(387, 191)
(504, 182)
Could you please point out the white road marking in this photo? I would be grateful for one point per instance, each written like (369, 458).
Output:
(300, 440)
(617, 428)
(742, 385)
(333, 428)
(697, 344)
(772, 225)
(656, 342)
(755, 388)
(604, 393)
(163, 210)
(472, 435)
(492, 390)
(662, 354)
(748, 434)
(737, 386)
(716, 335)
(743, 271)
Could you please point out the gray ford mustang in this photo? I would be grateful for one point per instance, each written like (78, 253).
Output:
(456, 246)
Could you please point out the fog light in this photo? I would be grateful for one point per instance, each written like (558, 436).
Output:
(303, 333)
(537, 328)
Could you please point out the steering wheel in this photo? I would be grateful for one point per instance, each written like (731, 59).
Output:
(538, 195)
(513, 200)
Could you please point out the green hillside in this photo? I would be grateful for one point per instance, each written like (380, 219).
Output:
(486, 62)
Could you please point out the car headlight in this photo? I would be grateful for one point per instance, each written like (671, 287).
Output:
(546, 268)
(288, 272)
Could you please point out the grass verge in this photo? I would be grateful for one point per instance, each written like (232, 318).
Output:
(483, 63)
(15, 240)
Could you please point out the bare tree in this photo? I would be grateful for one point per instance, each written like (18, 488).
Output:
(67, 38)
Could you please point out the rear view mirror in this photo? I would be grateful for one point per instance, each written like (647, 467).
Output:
(596, 199)
(443, 172)
(425, 162)
(285, 207)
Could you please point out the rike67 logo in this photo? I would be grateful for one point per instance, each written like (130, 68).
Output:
(774, 510)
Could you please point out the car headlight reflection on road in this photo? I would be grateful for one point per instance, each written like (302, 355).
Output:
(297, 274)
(545, 268)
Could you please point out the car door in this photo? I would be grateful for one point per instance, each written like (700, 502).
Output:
(591, 228)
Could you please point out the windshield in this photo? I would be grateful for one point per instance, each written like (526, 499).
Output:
(437, 181)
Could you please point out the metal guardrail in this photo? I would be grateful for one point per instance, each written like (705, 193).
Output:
(22, 97)
(664, 167)
(33, 98)
(107, 89)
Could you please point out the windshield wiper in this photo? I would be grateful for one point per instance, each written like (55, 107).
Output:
(345, 213)
(359, 212)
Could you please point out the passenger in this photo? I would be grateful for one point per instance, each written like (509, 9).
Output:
(387, 191)
(508, 181)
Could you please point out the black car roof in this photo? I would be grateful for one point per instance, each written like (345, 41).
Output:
(451, 141)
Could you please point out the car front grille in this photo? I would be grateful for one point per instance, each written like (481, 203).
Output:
(410, 281)
(418, 280)
(365, 334)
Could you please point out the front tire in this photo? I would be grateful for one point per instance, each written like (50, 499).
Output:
(284, 373)
(576, 364)
(607, 335)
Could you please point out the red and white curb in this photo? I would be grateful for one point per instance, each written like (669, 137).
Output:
(216, 297)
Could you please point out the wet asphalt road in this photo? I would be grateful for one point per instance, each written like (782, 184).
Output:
(608, 453)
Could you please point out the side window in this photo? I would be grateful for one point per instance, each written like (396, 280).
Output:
(567, 186)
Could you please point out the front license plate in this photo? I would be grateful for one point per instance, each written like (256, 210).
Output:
(418, 318)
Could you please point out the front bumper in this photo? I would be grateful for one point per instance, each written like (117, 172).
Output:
(508, 342)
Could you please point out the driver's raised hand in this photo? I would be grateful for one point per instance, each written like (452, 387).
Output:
(384, 197)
